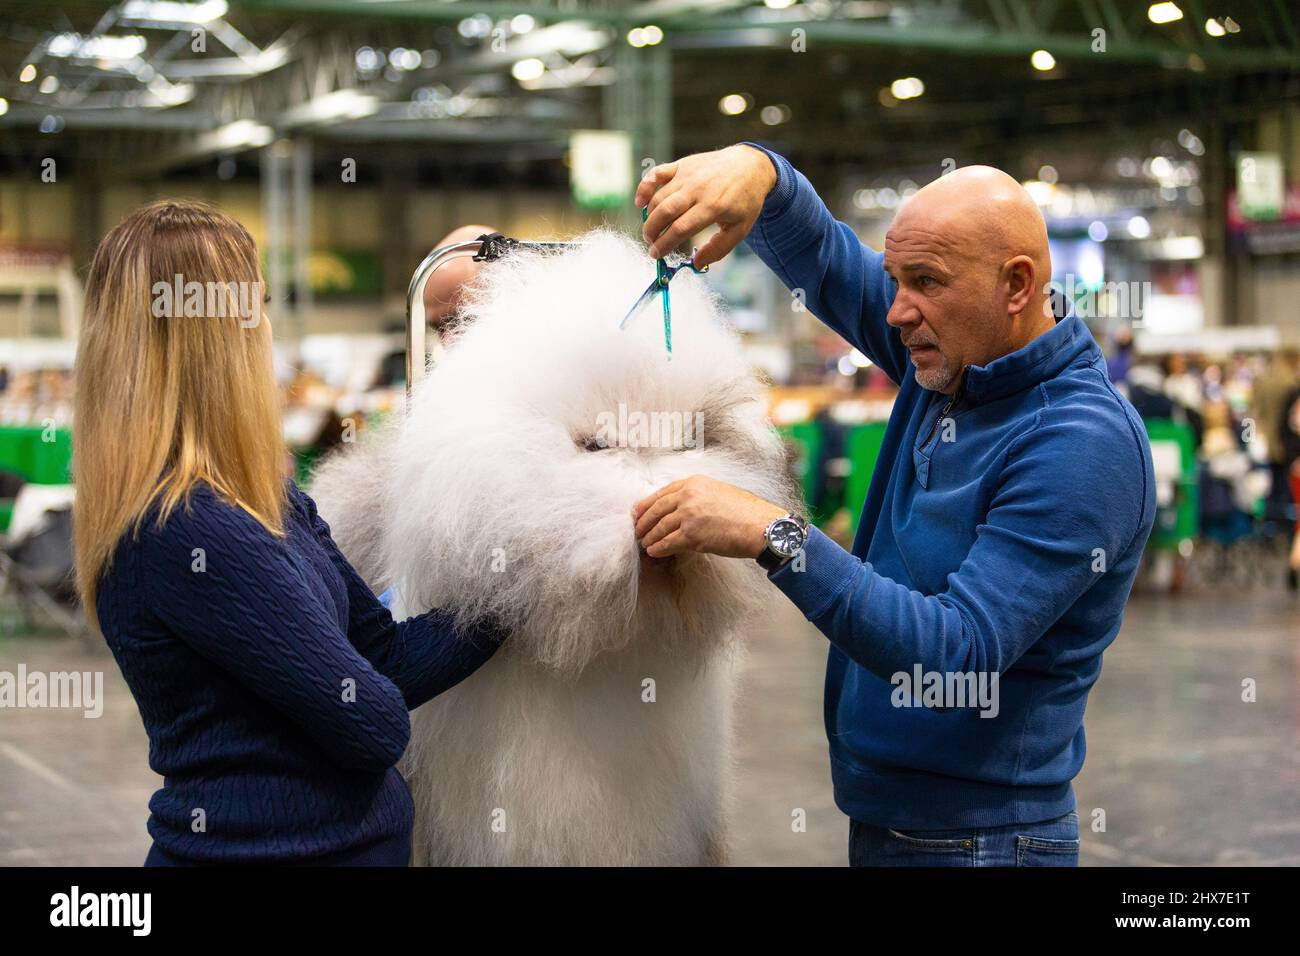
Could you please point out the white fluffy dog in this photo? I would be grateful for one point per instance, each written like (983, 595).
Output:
(600, 732)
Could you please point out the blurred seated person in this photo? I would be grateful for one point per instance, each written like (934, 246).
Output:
(1120, 360)
(1289, 429)
(311, 423)
(1268, 402)
(1227, 492)
(1146, 391)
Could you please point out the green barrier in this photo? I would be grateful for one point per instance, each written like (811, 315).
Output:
(49, 462)
(1172, 526)
(1182, 521)
(807, 439)
(52, 460)
(43, 462)
(23, 451)
(304, 463)
(863, 449)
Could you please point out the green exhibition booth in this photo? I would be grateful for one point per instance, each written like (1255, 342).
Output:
(43, 456)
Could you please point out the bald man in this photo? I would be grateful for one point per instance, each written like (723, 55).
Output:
(442, 293)
(1002, 530)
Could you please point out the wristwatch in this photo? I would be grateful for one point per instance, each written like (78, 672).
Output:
(785, 538)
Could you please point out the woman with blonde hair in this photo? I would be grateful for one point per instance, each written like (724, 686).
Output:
(274, 686)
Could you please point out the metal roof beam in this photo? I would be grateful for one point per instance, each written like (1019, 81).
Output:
(724, 32)
(689, 24)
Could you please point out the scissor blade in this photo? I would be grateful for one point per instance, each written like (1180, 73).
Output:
(636, 306)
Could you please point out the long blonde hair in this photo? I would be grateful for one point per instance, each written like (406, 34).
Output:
(172, 390)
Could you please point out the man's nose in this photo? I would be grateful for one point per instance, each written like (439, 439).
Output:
(901, 313)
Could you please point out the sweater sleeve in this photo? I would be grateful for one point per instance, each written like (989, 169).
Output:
(843, 282)
(424, 655)
(1050, 532)
(227, 588)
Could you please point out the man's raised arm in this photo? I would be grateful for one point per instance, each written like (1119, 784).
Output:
(756, 195)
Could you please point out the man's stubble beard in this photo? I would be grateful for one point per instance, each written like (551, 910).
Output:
(936, 380)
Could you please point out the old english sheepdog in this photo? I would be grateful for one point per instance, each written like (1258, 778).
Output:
(601, 732)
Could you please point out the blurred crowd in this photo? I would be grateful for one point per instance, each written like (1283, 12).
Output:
(1243, 413)
(41, 396)
(1238, 416)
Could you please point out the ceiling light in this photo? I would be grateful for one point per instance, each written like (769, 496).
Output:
(1042, 60)
(1214, 28)
(102, 47)
(479, 25)
(529, 69)
(733, 104)
(170, 12)
(241, 134)
(909, 87)
(1040, 192)
(345, 104)
(1164, 12)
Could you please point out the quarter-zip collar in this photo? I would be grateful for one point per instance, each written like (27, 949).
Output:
(1043, 358)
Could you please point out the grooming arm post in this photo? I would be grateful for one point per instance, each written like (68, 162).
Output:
(417, 327)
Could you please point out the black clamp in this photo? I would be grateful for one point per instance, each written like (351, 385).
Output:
(495, 245)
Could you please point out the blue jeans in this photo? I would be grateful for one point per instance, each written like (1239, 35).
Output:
(1049, 843)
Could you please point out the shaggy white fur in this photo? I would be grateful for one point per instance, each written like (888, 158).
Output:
(600, 733)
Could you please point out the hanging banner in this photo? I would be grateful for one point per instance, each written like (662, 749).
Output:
(600, 168)
(1260, 186)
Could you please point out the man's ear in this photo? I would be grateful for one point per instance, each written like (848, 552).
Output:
(1018, 281)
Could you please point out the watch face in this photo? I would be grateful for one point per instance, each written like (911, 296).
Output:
(786, 537)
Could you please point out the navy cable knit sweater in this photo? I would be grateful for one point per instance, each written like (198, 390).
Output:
(273, 685)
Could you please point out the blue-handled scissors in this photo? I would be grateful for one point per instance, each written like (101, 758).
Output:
(663, 275)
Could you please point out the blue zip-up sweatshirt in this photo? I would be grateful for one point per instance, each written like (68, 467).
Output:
(1000, 536)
